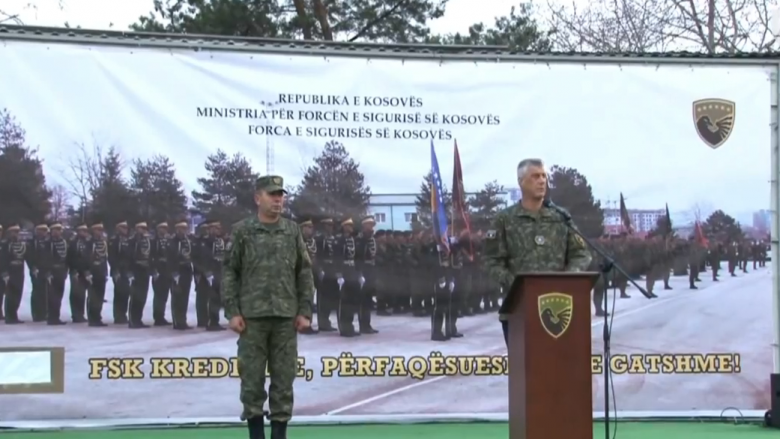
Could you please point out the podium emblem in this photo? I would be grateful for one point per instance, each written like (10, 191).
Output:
(555, 311)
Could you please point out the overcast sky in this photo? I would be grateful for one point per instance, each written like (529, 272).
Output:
(119, 14)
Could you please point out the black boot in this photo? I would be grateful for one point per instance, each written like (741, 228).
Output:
(278, 430)
(256, 428)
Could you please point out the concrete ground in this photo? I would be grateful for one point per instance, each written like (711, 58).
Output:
(730, 316)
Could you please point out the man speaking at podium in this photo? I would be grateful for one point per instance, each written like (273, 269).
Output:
(531, 236)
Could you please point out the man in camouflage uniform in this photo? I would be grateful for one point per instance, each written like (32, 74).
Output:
(58, 273)
(15, 254)
(307, 230)
(328, 298)
(120, 259)
(78, 291)
(693, 263)
(38, 264)
(655, 261)
(529, 237)
(744, 255)
(383, 298)
(140, 274)
(733, 258)
(348, 279)
(201, 283)
(403, 273)
(366, 265)
(714, 255)
(161, 277)
(211, 256)
(180, 250)
(96, 274)
(438, 260)
(268, 289)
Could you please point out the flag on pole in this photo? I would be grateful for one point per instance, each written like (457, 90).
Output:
(625, 218)
(668, 219)
(438, 215)
(460, 212)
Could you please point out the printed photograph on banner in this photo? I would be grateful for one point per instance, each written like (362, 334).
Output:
(122, 182)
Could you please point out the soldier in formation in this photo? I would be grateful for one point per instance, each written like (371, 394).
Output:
(357, 271)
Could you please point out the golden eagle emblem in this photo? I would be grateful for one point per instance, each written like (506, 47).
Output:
(555, 312)
(714, 120)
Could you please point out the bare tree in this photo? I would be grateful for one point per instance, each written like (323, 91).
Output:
(83, 169)
(14, 17)
(708, 26)
(60, 202)
(699, 212)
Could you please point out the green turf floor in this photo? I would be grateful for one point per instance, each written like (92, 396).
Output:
(649, 430)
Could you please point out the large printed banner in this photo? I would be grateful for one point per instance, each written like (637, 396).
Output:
(666, 167)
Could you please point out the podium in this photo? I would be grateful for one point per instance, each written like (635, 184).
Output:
(550, 380)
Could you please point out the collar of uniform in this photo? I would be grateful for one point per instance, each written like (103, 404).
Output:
(257, 225)
(543, 212)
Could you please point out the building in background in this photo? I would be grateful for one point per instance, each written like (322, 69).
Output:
(762, 221)
(643, 220)
(399, 211)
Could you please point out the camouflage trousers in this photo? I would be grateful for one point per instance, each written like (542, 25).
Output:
(268, 344)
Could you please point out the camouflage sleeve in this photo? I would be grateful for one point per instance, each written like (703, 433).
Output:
(304, 282)
(496, 256)
(578, 256)
(231, 275)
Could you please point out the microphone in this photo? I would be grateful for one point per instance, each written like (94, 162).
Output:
(550, 205)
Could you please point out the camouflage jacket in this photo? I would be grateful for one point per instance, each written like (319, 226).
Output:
(268, 271)
(521, 241)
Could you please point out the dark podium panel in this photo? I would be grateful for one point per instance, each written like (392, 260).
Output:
(550, 387)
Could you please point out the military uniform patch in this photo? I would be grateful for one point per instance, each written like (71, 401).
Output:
(579, 240)
(491, 234)
(539, 240)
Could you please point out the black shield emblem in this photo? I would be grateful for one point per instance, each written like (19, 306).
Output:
(713, 120)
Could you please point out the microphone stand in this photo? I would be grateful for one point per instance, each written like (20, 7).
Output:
(605, 267)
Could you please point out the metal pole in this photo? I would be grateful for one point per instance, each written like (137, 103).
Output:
(774, 204)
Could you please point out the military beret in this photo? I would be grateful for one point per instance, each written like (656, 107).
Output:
(347, 222)
(141, 224)
(368, 220)
(162, 224)
(55, 225)
(119, 224)
(42, 227)
(180, 224)
(326, 221)
(100, 225)
(14, 227)
(82, 227)
(305, 223)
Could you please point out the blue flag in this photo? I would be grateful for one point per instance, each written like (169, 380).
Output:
(438, 215)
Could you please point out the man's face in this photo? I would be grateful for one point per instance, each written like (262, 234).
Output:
(141, 231)
(534, 183)
(368, 228)
(56, 233)
(181, 231)
(97, 233)
(270, 202)
(84, 233)
(307, 230)
(162, 231)
(328, 227)
(215, 229)
(348, 229)
(13, 234)
(40, 232)
(122, 230)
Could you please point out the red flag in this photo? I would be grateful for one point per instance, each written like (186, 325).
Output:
(460, 213)
(699, 234)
